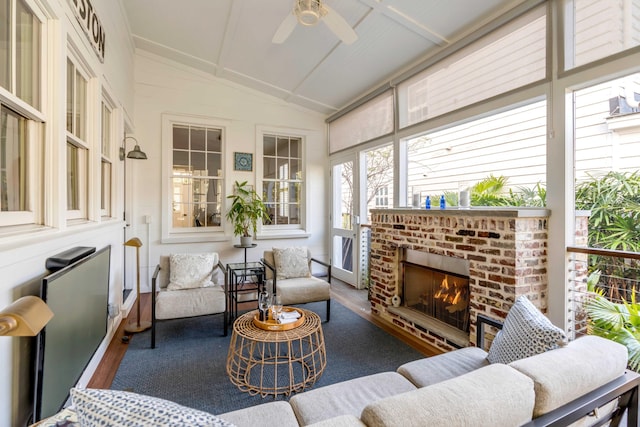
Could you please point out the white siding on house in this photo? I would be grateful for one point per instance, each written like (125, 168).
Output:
(511, 143)
(604, 27)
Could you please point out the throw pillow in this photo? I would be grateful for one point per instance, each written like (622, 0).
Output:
(97, 407)
(526, 332)
(188, 271)
(291, 262)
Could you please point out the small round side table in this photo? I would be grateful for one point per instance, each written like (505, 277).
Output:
(276, 362)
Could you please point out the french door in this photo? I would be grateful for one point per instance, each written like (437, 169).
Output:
(345, 219)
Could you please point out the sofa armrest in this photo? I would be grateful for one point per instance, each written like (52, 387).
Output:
(324, 264)
(625, 387)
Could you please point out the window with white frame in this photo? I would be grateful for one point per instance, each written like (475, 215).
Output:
(20, 40)
(282, 179)
(21, 29)
(196, 177)
(77, 144)
(106, 167)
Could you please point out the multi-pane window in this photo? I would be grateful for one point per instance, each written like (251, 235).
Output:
(196, 177)
(282, 180)
(77, 145)
(13, 161)
(20, 35)
(106, 166)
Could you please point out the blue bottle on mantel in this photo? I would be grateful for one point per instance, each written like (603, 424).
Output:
(443, 204)
(427, 203)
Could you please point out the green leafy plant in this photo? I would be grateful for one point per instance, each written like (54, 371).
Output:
(246, 210)
(619, 322)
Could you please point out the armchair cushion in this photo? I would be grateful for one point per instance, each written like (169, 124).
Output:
(189, 271)
(291, 262)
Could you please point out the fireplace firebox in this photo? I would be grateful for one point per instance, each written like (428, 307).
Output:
(436, 287)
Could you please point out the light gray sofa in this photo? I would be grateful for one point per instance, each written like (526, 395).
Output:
(582, 384)
(461, 388)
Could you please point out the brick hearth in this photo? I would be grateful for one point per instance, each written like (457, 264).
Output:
(506, 249)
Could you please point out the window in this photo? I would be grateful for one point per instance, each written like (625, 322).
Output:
(597, 29)
(106, 166)
(77, 145)
(508, 58)
(15, 203)
(282, 179)
(502, 157)
(196, 177)
(20, 38)
(21, 131)
(371, 120)
(382, 197)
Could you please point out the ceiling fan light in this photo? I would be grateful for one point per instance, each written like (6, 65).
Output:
(308, 12)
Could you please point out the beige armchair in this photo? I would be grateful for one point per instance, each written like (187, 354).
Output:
(195, 287)
(290, 270)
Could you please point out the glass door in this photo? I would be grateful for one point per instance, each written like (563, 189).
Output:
(344, 220)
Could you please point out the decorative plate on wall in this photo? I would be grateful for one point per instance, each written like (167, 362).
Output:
(243, 161)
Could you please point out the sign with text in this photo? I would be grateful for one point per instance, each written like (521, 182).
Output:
(90, 23)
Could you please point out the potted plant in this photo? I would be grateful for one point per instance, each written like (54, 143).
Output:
(246, 210)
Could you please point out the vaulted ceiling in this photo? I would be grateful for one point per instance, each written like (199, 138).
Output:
(232, 39)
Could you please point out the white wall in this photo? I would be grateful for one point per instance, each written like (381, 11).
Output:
(23, 253)
(163, 86)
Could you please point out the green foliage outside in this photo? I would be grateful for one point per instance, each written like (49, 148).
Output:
(619, 322)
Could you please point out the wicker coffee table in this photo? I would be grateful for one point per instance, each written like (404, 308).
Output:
(276, 362)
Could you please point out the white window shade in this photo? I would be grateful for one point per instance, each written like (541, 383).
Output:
(369, 121)
(508, 58)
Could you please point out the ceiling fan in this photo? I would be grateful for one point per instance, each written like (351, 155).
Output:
(309, 13)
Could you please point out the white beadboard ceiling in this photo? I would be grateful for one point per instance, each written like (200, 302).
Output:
(231, 39)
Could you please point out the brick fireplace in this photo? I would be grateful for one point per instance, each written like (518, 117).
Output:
(506, 250)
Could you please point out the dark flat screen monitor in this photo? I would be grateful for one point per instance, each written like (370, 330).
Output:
(78, 295)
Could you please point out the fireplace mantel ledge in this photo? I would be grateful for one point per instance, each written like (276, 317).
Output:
(501, 211)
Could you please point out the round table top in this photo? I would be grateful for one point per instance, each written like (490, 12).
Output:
(253, 245)
(244, 327)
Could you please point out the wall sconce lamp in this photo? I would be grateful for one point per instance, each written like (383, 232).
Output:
(139, 326)
(136, 153)
(25, 317)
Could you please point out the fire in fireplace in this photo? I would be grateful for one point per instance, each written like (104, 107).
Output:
(435, 292)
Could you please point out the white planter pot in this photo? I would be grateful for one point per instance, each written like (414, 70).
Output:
(246, 240)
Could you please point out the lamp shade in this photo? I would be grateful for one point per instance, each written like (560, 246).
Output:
(25, 317)
(137, 153)
(134, 242)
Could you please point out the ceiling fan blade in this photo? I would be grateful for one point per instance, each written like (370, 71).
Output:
(339, 26)
(285, 29)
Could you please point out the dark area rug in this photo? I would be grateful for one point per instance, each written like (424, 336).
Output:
(188, 364)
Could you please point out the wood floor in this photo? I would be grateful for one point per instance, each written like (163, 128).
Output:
(355, 300)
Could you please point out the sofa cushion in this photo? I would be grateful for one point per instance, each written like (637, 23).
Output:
(341, 421)
(564, 374)
(495, 396)
(188, 271)
(347, 397)
(190, 302)
(431, 370)
(120, 408)
(291, 262)
(277, 413)
(526, 332)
